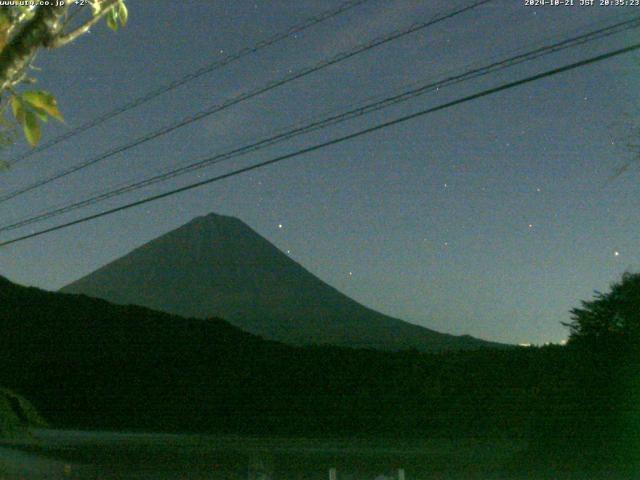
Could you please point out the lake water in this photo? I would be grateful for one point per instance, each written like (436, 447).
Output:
(56, 454)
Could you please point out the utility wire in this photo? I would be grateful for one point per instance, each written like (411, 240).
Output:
(245, 96)
(333, 119)
(495, 59)
(211, 67)
(335, 141)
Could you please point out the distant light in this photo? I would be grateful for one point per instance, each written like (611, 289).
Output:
(524, 344)
(288, 251)
(563, 342)
(350, 273)
(531, 225)
(616, 253)
(279, 225)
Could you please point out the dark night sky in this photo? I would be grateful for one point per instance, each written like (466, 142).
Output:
(492, 218)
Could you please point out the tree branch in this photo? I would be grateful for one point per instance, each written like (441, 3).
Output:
(37, 33)
(63, 39)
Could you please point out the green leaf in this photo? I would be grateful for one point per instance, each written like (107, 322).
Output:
(18, 109)
(43, 101)
(41, 114)
(112, 19)
(32, 128)
(123, 13)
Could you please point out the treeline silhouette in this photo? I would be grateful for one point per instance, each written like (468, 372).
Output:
(86, 363)
(599, 417)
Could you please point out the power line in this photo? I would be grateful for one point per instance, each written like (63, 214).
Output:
(211, 67)
(335, 141)
(246, 96)
(334, 119)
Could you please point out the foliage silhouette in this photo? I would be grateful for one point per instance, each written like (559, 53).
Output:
(610, 320)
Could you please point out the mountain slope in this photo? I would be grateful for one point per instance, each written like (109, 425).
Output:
(218, 266)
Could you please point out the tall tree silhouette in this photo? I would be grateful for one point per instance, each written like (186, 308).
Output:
(603, 386)
(611, 319)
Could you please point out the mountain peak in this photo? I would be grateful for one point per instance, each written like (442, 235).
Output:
(212, 219)
(215, 217)
(217, 266)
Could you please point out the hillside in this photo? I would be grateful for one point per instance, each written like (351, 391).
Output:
(86, 363)
(218, 266)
